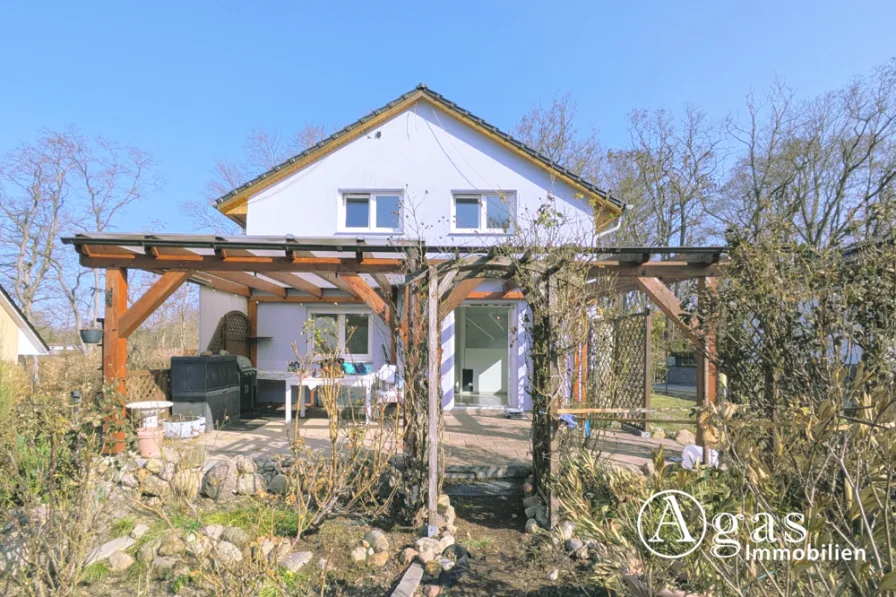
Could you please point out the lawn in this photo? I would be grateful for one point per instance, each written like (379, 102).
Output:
(663, 401)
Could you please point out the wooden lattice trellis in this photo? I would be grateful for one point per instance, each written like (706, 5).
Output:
(618, 361)
(151, 384)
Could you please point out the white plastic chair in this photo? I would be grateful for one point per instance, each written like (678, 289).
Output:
(388, 389)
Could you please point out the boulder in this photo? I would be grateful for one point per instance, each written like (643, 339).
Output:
(107, 549)
(236, 536)
(541, 516)
(219, 481)
(155, 487)
(427, 549)
(198, 545)
(139, 530)
(154, 465)
(129, 480)
(566, 530)
(163, 567)
(377, 540)
(250, 484)
(685, 437)
(572, 545)
(172, 545)
(443, 503)
(147, 553)
(379, 559)
(445, 542)
(433, 568)
(119, 561)
(432, 591)
(228, 554)
(167, 472)
(408, 555)
(245, 465)
(295, 561)
(358, 554)
(531, 510)
(186, 483)
(531, 501)
(212, 531)
(532, 526)
(277, 484)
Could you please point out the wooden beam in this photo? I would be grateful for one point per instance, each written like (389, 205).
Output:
(433, 411)
(457, 295)
(707, 375)
(669, 304)
(323, 300)
(514, 295)
(215, 263)
(115, 353)
(338, 282)
(221, 284)
(252, 316)
(679, 270)
(294, 281)
(146, 305)
(252, 282)
(362, 290)
(385, 286)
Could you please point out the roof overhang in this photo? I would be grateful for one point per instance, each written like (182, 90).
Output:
(26, 328)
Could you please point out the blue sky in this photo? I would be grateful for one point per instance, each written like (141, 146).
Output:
(187, 81)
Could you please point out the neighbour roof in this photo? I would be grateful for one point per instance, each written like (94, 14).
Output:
(22, 322)
(228, 204)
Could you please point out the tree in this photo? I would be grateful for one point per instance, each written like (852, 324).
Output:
(263, 150)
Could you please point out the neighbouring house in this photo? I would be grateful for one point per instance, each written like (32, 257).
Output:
(18, 337)
(419, 167)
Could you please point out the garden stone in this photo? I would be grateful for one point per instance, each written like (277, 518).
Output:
(130, 481)
(245, 465)
(139, 530)
(528, 489)
(446, 564)
(155, 487)
(220, 480)
(445, 542)
(147, 553)
(107, 549)
(358, 554)
(377, 540)
(433, 568)
(658, 434)
(186, 483)
(198, 545)
(154, 465)
(532, 526)
(378, 560)
(573, 545)
(450, 529)
(554, 575)
(277, 484)
(443, 503)
(450, 515)
(167, 472)
(408, 554)
(685, 437)
(432, 591)
(427, 549)
(162, 567)
(142, 474)
(648, 468)
(236, 536)
(250, 484)
(532, 501)
(267, 546)
(541, 516)
(119, 561)
(296, 561)
(566, 530)
(212, 531)
(228, 554)
(172, 546)
(531, 510)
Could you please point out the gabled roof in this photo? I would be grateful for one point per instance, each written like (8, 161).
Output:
(234, 204)
(27, 328)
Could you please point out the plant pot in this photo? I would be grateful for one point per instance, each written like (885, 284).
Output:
(150, 442)
(184, 429)
(91, 336)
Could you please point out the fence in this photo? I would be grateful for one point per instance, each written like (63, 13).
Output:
(149, 384)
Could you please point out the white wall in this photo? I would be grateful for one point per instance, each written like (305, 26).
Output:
(213, 305)
(426, 154)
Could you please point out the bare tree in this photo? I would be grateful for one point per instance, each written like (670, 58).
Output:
(263, 150)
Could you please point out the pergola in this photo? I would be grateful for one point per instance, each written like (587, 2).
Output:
(377, 273)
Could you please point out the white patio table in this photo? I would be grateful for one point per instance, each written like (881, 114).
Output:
(291, 379)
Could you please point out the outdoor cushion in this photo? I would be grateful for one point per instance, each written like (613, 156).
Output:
(348, 368)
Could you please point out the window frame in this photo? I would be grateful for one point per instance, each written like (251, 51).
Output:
(480, 196)
(371, 197)
(340, 315)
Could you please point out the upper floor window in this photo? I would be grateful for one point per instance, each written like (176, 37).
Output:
(372, 212)
(486, 212)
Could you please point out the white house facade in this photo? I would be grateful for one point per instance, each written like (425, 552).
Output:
(418, 168)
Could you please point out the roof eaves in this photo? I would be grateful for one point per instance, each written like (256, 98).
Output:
(30, 326)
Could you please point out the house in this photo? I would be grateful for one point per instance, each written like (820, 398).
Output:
(18, 337)
(418, 167)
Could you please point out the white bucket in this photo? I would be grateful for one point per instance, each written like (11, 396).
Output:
(184, 429)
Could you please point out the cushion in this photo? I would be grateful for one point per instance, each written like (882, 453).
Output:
(362, 369)
(348, 368)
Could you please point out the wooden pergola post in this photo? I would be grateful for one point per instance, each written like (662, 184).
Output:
(115, 348)
(433, 411)
(707, 375)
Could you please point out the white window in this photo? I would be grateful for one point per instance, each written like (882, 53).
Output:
(482, 212)
(370, 212)
(349, 333)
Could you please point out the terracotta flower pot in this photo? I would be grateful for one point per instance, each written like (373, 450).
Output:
(150, 442)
